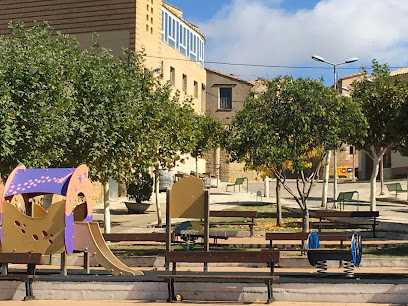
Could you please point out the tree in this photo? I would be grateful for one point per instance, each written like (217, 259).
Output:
(288, 124)
(208, 133)
(61, 106)
(35, 96)
(383, 101)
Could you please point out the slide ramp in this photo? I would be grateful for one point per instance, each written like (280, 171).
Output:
(88, 237)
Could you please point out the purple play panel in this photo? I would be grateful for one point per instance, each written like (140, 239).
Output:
(40, 181)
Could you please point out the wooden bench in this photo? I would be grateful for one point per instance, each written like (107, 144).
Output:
(301, 236)
(126, 237)
(250, 214)
(267, 257)
(30, 259)
(238, 182)
(395, 187)
(369, 216)
(119, 237)
(346, 196)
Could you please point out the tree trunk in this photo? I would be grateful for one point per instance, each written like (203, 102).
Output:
(156, 189)
(326, 179)
(373, 181)
(305, 225)
(376, 161)
(305, 220)
(196, 160)
(278, 204)
(106, 209)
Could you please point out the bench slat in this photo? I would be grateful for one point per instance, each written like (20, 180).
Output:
(118, 237)
(223, 256)
(210, 276)
(21, 258)
(356, 214)
(233, 213)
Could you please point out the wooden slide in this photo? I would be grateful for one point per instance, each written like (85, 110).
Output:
(88, 237)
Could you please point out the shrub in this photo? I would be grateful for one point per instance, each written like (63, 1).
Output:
(141, 188)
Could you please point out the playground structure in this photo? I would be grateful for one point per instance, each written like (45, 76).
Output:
(193, 204)
(64, 228)
(349, 258)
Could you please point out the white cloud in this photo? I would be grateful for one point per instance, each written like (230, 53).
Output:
(259, 32)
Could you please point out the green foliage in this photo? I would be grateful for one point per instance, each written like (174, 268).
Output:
(292, 121)
(141, 187)
(287, 124)
(382, 99)
(61, 106)
(208, 133)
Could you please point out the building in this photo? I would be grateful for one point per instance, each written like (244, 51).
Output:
(395, 165)
(170, 43)
(226, 94)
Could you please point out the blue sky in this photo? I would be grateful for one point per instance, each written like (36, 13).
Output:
(289, 32)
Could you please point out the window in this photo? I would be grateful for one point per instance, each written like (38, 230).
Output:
(184, 83)
(225, 100)
(182, 37)
(195, 89)
(172, 76)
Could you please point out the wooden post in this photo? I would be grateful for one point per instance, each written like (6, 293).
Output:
(86, 263)
(206, 225)
(64, 270)
(168, 226)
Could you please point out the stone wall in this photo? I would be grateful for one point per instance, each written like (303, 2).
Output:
(229, 172)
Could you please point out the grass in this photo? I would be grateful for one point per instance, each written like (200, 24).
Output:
(266, 221)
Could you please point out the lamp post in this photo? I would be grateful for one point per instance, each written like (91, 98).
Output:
(351, 60)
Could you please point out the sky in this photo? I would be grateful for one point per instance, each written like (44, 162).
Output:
(285, 34)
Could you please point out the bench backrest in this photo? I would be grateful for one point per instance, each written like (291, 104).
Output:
(239, 181)
(323, 236)
(347, 196)
(118, 237)
(334, 213)
(233, 213)
(394, 187)
(223, 256)
(21, 258)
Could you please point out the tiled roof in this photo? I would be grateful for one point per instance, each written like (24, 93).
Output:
(399, 71)
(231, 76)
(354, 75)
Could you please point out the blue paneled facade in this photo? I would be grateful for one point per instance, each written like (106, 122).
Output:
(179, 35)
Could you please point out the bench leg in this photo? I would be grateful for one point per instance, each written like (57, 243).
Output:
(251, 230)
(271, 299)
(170, 288)
(29, 290)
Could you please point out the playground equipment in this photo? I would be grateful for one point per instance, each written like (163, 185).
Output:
(188, 199)
(62, 229)
(350, 257)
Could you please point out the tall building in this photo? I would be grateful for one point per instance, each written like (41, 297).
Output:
(170, 43)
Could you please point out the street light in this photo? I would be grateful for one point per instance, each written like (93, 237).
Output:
(322, 60)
